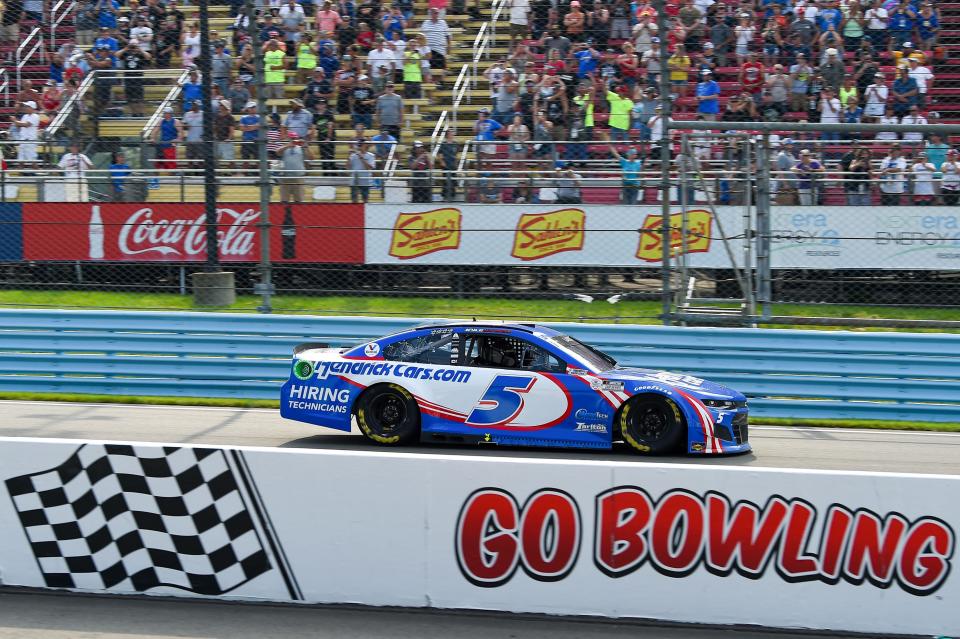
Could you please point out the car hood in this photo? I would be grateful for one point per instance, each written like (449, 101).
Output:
(701, 388)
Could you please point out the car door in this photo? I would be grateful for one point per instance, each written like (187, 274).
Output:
(520, 384)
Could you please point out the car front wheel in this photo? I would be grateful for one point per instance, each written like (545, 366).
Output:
(388, 415)
(652, 425)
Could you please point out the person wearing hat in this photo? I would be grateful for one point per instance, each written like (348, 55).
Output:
(708, 96)
(876, 98)
(143, 33)
(166, 135)
(299, 120)
(892, 174)
(223, 127)
(950, 182)
(924, 78)
(318, 89)
(383, 142)
(808, 172)
(293, 167)
(274, 69)
(485, 131)
(421, 168)
(833, 71)
(249, 126)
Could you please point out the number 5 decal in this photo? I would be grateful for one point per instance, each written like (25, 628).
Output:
(502, 401)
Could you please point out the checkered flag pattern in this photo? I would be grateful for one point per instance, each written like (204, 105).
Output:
(118, 517)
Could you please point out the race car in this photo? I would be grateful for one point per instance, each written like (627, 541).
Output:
(508, 384)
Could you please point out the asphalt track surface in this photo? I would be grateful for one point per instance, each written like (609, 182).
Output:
(774, 447)
(26, 615)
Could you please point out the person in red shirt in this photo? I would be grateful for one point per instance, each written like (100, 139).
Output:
(366, 37)
(751, 75)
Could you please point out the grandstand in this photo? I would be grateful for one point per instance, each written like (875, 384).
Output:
(107, 120)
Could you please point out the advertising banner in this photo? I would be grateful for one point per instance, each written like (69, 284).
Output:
(802, 237)
(138, 232)
(905, 238)
(569, 235)
(11, 233)
(855, 552)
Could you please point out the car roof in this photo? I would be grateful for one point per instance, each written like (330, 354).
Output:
(522, 327)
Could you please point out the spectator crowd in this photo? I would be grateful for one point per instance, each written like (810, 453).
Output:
(583, 82)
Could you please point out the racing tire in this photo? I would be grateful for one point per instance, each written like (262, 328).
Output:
(387, 414)
(652, 425)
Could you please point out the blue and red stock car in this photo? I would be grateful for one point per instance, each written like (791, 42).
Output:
(508, 384)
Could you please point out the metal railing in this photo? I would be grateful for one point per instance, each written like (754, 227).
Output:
(5, 85)
(481, 45)
(73, 104)
(154, 120)
(32, 45)
(59, 12)
(461, 90)
(494, 18)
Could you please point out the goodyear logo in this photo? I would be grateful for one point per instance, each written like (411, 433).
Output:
(699, 226)
(541, 234)
(416, 234)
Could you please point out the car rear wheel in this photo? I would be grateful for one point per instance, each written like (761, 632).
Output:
(388, 415)
(652, 425)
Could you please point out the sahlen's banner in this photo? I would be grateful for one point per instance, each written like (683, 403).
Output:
(554, 234)
(586, 235)
(720, 544)
(143, 232)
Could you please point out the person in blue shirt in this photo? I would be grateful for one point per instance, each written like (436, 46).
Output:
(588, 59)
(904, 93)
(829, 16)
(630, 165)
(107, 14)
(191, 90)
(382, 143)
(250, 131)
(484, 130)
(928, 26)
(328, 61)
(901, 24)
(106, 38)
(119, 172)
(708, 96)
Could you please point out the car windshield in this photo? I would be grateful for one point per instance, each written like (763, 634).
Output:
(595, 358)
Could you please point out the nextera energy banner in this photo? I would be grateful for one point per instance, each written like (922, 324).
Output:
(901, 238)
(865, 552)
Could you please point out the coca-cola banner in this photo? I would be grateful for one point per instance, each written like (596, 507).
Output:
(329, 233)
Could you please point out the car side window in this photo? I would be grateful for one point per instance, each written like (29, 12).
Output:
(502, 351)
(429, 348)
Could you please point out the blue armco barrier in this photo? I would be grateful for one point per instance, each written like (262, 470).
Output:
(800, 374)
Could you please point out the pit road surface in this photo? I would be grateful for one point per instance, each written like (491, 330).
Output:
(52, 616)
(774, 447)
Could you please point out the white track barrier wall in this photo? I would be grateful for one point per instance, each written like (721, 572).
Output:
(868, 552)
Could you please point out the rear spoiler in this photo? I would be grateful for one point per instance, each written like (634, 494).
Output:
(299, 348)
